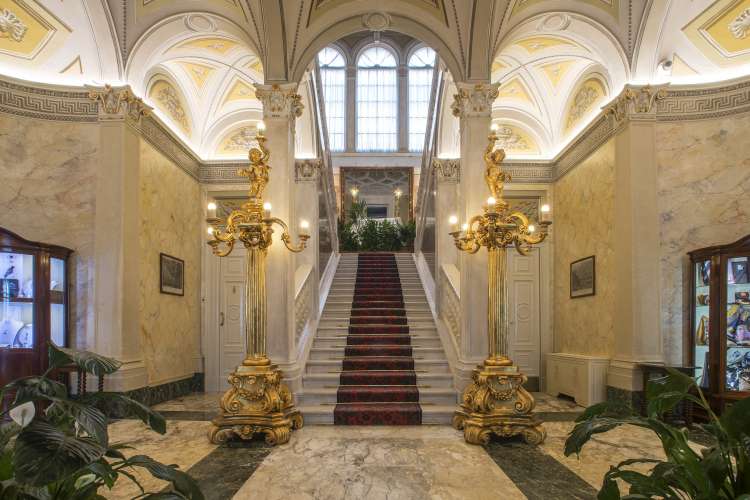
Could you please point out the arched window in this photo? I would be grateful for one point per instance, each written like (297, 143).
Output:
(333, 78)
(421, 66)
(377, 100)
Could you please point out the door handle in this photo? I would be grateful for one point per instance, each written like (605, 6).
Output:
(221, 319)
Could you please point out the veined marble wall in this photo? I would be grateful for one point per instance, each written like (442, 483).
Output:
(170, 215)
(48, 191)
(584, 213)
(704, 200)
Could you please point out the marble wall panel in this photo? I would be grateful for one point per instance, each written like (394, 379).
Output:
(48, 173)
(170, 223)
(584, 214)
(704, 200)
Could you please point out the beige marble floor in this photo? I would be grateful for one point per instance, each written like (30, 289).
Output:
(374, 463)
(184, 444)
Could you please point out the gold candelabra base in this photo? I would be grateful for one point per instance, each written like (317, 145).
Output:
(258, 402)
(496, 403)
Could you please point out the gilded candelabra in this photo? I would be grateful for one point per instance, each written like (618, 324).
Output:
(495, 401)
(257, 401)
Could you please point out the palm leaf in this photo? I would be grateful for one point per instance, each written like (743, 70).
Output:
(43, 454)
(132, 407)
(183, 484)
(87, 361)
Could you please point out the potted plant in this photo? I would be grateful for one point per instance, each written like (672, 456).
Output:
(719, 471)
(57, 447)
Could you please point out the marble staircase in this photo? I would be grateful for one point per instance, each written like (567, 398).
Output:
(437, 397)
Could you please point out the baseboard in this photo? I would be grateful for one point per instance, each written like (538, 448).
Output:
(153, 395)
(633, 399)
(326, 280)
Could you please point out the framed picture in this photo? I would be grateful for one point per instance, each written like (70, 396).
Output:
(171, 275)
(583, 277)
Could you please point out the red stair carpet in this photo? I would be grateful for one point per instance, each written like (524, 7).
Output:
(378, 385)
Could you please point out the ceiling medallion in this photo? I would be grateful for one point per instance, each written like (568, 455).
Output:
(199, 23)
(376, 21)
(554, 22)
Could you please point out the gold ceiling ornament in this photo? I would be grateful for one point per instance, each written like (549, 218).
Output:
(258, 401)
(495, 401)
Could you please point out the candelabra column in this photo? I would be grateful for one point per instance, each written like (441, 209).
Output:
(495, 402)
(258, 400)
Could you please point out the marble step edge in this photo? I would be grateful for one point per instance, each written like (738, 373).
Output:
(334, 366)
(431, 414)
(427, 378)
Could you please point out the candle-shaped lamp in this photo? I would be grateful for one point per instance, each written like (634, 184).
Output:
(546, 213)
(211, 210)
(266, 210)
(304, 227)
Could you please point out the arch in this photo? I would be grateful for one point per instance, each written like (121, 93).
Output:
(377, 52)
(398, 24)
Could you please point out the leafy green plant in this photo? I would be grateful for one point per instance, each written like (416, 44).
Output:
(407, 233)
(358, 211)
(348, 238)
(719, 471)
(370, 236)
(57, 448)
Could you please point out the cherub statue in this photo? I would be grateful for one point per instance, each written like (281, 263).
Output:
(493, 174)
(257, 173)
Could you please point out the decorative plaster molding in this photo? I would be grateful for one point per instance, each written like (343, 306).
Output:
(707, 102)
(448, 169)
(221, 173)
(159, 136)
(474, 99)
(307, 170)
(531, 173)
(280, 101)
(46, 103)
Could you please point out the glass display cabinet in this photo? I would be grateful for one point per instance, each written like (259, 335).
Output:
(33, 304)
(719, 335)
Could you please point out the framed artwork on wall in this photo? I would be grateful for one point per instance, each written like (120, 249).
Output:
(583, 277)
(171, 275)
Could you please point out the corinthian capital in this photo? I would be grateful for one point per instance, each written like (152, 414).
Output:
(474, 99)
(280, 101)
(118, 103)
(636, 103)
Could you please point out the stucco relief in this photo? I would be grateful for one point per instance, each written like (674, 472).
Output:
(11, 26)
(584, 215)
(704, 185)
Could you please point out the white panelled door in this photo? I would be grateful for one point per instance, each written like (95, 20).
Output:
(231, 315)
(523, 296)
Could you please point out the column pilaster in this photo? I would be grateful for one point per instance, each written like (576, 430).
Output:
(472, 104)
(351, 108)
(281, 107)
(116, 241)
(636, 239)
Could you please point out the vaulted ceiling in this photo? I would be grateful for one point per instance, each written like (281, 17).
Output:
(196, 61)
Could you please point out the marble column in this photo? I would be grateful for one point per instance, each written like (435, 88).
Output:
(281, 107)
(636, 240)
(116, 241)
(473, 106)
(403, 108)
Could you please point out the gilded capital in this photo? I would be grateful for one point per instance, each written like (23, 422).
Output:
(307, 170)
(447, 169)
(636, 103)
(474, 99)
(118, 103)
(280, 101)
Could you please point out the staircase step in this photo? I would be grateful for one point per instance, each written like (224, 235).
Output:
(352, 350)
(436, 380)
(330, 395)
(420, 366)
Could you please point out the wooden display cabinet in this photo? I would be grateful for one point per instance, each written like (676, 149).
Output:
(33, 304)
(719, 336)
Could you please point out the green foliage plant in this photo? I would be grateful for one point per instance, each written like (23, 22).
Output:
(719, 471)
(55, 447)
